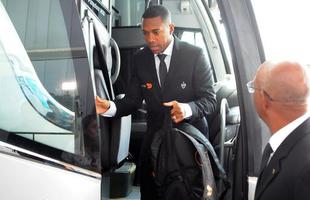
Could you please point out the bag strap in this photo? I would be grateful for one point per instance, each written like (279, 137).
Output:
(196, 134)
(209, 192)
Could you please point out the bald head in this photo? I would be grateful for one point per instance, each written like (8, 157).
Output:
(281, 93)
(286, 82)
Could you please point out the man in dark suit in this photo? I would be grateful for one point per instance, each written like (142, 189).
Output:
(281, 99)
(167, 72)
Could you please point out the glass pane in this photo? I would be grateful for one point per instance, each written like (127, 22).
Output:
(194, 38)
(42, 82)
(39, 60)
(131, 12)
(222, 32)
(100, 9)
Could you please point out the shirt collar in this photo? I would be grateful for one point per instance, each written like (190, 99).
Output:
(278, 137)
(168, 50)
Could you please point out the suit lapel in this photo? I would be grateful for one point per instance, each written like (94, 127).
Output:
(274, 167)
(268, 175)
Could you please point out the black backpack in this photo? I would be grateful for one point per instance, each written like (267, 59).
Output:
(181, 164)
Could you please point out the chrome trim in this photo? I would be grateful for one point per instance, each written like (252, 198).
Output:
(34, 157)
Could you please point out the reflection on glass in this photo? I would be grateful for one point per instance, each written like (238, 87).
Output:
(39, 98)
(42, 60)
(67, 86)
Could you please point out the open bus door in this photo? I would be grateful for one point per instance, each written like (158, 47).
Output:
(55, 57)
(49, 145)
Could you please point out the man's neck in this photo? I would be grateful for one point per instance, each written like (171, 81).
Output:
(278, 121)
(169, 43)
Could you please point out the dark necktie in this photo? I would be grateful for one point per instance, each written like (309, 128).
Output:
(162, 69)
(266, 155)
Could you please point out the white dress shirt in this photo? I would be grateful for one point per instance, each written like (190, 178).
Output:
(168, 53)
(186, 109)
(278, 137)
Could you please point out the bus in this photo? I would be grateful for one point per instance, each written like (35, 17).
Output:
(57, 55)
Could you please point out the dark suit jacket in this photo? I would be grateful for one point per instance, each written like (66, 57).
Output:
(287, 176)
(189, 80)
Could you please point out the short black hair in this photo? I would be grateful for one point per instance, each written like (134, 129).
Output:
(157, 11)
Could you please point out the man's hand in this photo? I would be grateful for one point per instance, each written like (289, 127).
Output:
(177, 113)
(102, 105)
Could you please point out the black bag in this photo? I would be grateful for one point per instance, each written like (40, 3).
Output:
(181, 164)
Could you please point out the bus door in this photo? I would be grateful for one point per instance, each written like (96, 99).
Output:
(105, 61)
(49, 140)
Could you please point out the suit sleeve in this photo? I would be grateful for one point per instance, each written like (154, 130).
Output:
(205, 98)
(133, 97)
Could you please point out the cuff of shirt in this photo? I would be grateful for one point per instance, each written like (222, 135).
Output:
(186, 110)
(111, 111)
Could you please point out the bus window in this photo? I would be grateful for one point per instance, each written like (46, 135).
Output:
(131, 12)
(194, 38)
(43, 57)
(215, 12)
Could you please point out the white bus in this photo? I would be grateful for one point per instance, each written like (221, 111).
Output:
(57, 55)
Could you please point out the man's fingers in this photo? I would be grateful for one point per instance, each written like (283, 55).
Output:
(102, 105)
(171, 104)
(168, 104)
(98, 99)
(176, 112)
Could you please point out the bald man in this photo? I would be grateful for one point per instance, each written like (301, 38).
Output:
(281, 99)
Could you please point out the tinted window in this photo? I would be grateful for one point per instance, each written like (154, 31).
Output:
(43, 61)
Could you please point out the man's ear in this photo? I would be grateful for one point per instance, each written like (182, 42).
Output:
(265, 100)
(171, 28)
